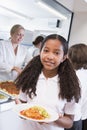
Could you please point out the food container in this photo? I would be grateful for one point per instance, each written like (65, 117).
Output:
(3, 97)
(9, 88)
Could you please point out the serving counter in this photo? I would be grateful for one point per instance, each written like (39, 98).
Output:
(9, 120)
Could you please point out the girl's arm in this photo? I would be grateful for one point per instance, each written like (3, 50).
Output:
(65, 121)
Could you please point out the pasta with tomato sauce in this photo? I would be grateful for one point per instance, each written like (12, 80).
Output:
(35, 112)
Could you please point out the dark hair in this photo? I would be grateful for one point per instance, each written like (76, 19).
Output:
(58, 37)
(69, 86)
(38, 39)
(78, 56)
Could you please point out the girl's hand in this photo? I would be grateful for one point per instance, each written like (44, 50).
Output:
(17, 101)
(19, 70)
(42, 123)
(60, 115)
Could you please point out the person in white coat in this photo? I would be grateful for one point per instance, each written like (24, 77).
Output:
(13, 55)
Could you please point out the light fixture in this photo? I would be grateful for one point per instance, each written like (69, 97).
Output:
(4, 10)
(85, 0)
(50, 9)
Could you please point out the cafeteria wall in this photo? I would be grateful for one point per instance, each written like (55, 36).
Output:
(79, 24)
(79, 29)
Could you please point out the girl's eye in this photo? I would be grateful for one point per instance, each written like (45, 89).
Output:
(45, 50)
(56, 53)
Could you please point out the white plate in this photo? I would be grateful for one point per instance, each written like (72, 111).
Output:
(20, 107)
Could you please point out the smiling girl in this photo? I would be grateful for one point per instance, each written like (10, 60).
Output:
(50, 80)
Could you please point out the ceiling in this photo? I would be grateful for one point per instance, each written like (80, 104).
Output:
(30, 8)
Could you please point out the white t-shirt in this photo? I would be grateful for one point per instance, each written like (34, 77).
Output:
(82, 75)
(47, 91)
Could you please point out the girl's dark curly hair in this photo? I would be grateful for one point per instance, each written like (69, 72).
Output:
(69, 85)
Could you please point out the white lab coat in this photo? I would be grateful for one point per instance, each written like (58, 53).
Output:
(8, 60)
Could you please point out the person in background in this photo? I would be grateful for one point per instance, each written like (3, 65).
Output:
(35, 49)
(78, 56)
(50, 80)
(12, 54)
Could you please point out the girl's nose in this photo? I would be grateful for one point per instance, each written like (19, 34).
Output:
(50, 56)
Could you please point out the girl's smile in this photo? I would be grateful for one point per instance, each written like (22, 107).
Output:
(49, 63)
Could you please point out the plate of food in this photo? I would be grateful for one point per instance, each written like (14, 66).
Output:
(36, 113)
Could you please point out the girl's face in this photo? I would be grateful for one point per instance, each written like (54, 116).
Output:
(52, 54)
(18, 36)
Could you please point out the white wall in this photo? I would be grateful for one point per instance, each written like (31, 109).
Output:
(79, 29)
(79, 24)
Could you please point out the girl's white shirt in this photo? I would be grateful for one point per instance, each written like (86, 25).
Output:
(82, 75)
(47, 91)
(8, 59)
